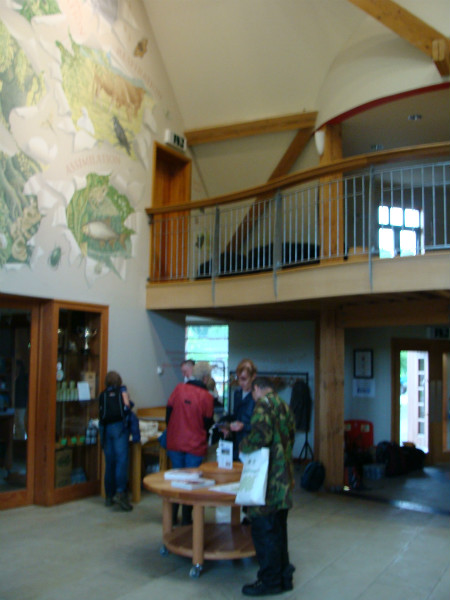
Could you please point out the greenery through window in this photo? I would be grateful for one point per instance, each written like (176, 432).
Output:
(210, 342)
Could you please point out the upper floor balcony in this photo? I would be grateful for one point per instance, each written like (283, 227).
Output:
(369, 225)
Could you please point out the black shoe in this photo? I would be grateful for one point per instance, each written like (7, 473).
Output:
(109, 501)
(286, 581)
(260, 589)
(122, 500)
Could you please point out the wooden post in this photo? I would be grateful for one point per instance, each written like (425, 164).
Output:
(330, 406)
(331, 197)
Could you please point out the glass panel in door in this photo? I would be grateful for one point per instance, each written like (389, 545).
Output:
(15, 327)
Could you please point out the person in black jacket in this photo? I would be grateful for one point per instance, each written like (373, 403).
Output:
(115, 435)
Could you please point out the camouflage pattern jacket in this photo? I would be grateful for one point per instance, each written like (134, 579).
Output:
(273, 425)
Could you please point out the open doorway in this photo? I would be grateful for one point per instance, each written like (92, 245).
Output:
(414, 399)
(419, 400)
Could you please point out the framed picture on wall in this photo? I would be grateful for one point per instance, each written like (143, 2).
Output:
(363, 364)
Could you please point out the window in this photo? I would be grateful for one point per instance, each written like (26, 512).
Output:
(400, 231)
(210, 342)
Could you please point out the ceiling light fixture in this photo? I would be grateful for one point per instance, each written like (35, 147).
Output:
(414, 117)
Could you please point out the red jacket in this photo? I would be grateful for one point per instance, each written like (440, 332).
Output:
(190, 405)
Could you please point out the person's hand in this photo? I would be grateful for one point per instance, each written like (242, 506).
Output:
(237, 426)
(225, 430)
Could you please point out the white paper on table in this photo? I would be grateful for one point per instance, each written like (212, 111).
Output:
(225, 455)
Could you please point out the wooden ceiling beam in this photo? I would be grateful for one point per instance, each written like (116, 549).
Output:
(412, 29)
(209, 135)
(401, 312)
(283, 167)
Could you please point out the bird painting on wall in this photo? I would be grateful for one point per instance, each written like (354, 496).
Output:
(121, 135)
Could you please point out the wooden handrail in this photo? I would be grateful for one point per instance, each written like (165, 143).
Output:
(345, 165)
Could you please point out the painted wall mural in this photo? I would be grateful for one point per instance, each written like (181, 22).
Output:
(76, 124)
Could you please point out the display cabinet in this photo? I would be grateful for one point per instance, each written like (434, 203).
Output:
(73, 350)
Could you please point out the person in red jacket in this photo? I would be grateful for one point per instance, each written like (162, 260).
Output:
(189, 416)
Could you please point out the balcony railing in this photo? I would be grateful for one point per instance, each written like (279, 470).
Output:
(352, 208)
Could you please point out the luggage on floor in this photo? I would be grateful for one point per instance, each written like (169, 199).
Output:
(313, 476)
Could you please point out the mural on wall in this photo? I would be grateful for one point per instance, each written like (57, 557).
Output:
(76, 126)
(19, 215)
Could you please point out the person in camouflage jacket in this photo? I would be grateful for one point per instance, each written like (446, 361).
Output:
(272, 425)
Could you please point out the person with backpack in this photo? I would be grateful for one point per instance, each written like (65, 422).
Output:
(114, 408)
(273, 426)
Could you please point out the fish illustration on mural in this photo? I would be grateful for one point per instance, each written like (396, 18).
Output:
(102, 232)
(96, 217)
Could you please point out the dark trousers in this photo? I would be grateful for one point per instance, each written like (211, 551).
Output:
(115, 447)
(269, 534)
(183, 460)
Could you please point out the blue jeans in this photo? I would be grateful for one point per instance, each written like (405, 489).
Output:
(182, 460)
(115, 447)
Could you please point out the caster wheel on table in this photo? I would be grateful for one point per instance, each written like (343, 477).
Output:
(163, 551)
(195, 571)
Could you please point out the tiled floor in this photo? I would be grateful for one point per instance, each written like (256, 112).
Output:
(343, 547)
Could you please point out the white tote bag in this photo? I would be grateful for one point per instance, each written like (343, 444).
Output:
(253, 483)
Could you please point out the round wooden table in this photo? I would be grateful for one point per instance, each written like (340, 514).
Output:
(203, 541)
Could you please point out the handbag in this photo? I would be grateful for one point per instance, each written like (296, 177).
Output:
(253, 482)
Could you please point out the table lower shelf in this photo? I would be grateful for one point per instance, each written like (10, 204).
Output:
(221, 542)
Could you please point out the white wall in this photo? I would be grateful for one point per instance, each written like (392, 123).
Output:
(276, 347)
(289, 346)
(138, 341)
(377, 409)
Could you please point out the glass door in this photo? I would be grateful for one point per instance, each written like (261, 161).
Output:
(77, 387)
(15, 336)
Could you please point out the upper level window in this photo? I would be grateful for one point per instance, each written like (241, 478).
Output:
(399, 231)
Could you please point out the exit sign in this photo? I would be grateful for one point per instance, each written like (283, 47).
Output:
(176, 140)
(438, 333)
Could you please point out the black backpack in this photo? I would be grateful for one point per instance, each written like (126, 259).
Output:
(110, 406)
(313, 476)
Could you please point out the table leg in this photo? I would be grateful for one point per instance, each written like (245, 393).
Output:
(167, 523)
(235, 515)
(136, 466)
(198, 535)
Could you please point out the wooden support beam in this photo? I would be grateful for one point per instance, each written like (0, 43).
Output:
(412, 29)
(390, 314)
(209, 135)
(441, 56)
(332, 196)
(329, 430)
(283, 167)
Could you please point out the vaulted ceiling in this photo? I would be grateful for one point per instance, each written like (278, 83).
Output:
(253, 79)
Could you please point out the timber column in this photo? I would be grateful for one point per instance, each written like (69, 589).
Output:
(329, 422)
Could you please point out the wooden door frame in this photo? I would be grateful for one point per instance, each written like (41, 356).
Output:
(179, 183)
(24, 497)
(435, 348)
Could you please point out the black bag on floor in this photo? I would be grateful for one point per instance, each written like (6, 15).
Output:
(313, 476)
(389, 454)
(413, 458)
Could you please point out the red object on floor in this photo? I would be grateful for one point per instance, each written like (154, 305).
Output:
(358, 434)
